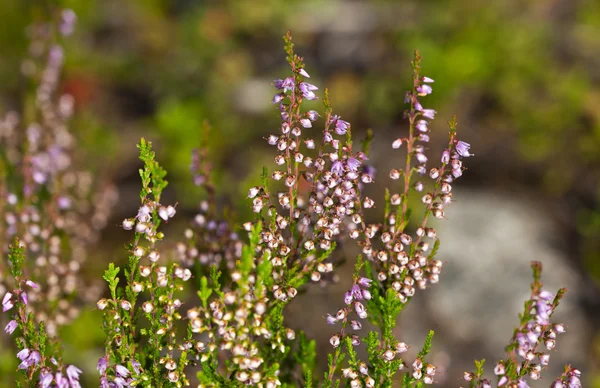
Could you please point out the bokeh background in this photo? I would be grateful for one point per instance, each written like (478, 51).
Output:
(523, 77)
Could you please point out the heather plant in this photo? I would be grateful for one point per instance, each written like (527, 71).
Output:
(245, 274)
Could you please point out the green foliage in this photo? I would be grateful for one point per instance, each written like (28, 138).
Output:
(110, 276)
(152, 174)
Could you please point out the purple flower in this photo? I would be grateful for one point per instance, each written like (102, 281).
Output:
(32, 359)
(424, 90)
(356, 294)
(427, 80)
(429, 113)
(304, 73)
(341, 126)
(24, 297)
(23, 354)
(543, 312)
(61, 381)
(278, 83)
(288, 84)
(445, 157)
(463, 149)
(73, 373)
(365, 282)
(307, 90)
(104, 383)
(337, 167)
(136, 366)
(312, 115)
(32, 284)
(546, 295)
(306, 123)
(122, 371)
(10, 328)
(46, 379)
(421, 126)
(353, 164)
(522, 384)
(418, 106)
(348, 297)
(331, 319)
(278, 98)
(102, 364)
(7, 303)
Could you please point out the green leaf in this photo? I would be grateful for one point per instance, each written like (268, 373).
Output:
(426, 346)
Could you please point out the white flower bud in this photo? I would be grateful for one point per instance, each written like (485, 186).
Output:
(101, 304)
(128, 224)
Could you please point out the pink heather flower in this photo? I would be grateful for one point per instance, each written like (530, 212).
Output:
(33, 359)
(277, 98)
(418, 106)
(288, 84)
(331, 319)
(278, 83)
(424, 89)
(348, 297)
(7, 303)
(304, 73)
(23, 354)
(421, 126)
(546, 295)
(122, 371)
(445, 157)
(307, 90)
(136, 366)
(353, 164)
(337, 167)
(522, 384)
(104, 383)
(356, 294)
(61, 381)
(463, 149)
(365, 282)
(32, 284)
(427, 80)
(306, 123)
(312, 115)
(341, 126)
(102, 364)
(73, 374)
(429, 113)
(11, 326)
(24, 297)
(46, 379)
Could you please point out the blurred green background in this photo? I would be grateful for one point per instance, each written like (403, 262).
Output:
(522, 76)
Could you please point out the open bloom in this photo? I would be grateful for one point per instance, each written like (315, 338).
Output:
(7, 303)
(463, 149)
(10, 328)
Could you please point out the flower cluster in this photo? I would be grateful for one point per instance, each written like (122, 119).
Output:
(234, 334)
(209, 240)
(146, 279)
(526, 358)
(39, 360)
(55, 209)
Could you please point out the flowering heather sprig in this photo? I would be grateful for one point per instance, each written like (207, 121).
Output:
(152, 354)
(55, 209)
(528, 353)
(210, 239)
(398, 262)
(39, 357)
